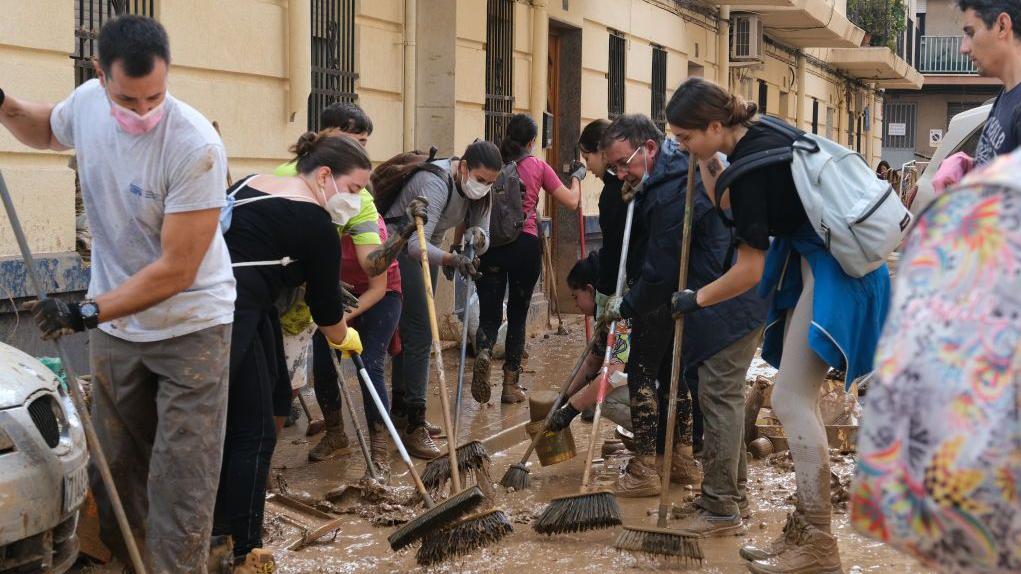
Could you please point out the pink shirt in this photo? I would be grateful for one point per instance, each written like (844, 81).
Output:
(535, 174)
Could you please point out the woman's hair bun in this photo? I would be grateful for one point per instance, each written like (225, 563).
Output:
(305, 145)
(741, 111)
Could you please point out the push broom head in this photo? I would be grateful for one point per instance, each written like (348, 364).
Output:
(659, 542)
(437, 517)
(516, 477)
(474, 532)
(471, 457)
(578, 513)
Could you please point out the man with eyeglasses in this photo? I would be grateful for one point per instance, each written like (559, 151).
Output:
(720, 342)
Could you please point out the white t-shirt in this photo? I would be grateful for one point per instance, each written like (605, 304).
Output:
(129, 183)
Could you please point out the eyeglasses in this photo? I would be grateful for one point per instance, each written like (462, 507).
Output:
(623, 165)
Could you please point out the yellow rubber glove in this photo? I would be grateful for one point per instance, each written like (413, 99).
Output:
(352, 343)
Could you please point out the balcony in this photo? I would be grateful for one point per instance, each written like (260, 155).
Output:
(942, 55)
(875, 64)
(801, 23)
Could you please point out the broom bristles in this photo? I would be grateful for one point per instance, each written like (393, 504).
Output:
(436, 517)
(470, 456)
(471, 533)
(659, 542)
(516, 477)
(578, 513)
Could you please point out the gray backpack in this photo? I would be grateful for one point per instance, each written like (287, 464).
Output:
(857, 215)
(507, 215)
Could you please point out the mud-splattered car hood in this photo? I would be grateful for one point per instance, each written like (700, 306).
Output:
(20, 376)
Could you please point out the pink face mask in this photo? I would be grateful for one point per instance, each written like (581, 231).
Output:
(133, 123)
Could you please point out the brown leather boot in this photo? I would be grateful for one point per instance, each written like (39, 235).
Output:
(434, 431)
(335, 442)
(480, 377)
(812, 552)
(417, 440)
(512, 391)
(639, 479)
(684, 469)
(795, 522)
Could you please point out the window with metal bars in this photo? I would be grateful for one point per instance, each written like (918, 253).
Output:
(499, 105)
(89, 16)
(763, 96)
(615, 76)
(815, 116)
(333, 56)
(659, 87)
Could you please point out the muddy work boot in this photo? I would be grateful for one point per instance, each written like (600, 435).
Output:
(795, 522)
(434, 431)
(335, 442)
(417, 440)
(639, 478)
(258, 561)
(705, 524)
(686, 509)
(812, 552)
(512, 391)
(379, 447)
(480, 376)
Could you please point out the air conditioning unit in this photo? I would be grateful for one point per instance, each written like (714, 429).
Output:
(745, 38)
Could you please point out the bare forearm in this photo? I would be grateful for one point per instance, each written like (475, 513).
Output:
(379, 260)
(336, 332)
(29, 122)
(154, 284)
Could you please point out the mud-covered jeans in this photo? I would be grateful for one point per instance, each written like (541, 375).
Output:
(160, 410)
(652, 338)
(410, 369)
(721, 390)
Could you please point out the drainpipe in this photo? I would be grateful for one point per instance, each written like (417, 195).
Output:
(840, 112)
(799, 114)
(723, 50)
(299, 57)
(410, 55)
(540, 61)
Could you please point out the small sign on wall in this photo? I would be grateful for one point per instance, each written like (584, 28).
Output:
(897, 129)
(935, 137)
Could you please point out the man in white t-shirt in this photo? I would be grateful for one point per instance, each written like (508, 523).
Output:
(161, 296)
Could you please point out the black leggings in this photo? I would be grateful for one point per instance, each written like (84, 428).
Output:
(512, 269)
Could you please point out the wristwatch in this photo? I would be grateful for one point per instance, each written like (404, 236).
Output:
(90, 313)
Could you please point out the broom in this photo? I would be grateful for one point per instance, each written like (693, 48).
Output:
(516, 476)
(659, 540)
(437, 515)
(481, 529)
(472, 457)
(591, 510)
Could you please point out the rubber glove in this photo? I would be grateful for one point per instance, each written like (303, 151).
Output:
(684, 302)
(611, 311)
(352, 343)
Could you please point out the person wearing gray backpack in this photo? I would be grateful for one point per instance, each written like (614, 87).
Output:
(514, 259)
(813, 226)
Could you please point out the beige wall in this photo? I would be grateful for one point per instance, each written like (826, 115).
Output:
(942, 18)
(35, 65)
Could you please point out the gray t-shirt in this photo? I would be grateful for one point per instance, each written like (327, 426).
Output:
(129, 183)
(443, 214)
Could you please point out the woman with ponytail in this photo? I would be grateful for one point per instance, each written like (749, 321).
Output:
(820, 317)
(281, 233)
(514, 267)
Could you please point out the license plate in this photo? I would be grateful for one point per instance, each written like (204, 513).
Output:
(75, 485)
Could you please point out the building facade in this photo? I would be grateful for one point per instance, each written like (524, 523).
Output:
(439, 73)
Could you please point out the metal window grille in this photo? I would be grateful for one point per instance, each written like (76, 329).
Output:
(499, 105)
(815, 116)
(899, 113)
(333, 56)
(616, 75)
(954, 108)
(659, 87)
(89, 16)
(763, 96)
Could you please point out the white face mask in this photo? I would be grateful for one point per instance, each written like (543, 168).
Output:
(474, 189)
(342, 206)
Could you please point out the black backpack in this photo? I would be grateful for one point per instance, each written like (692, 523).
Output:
(507, 215)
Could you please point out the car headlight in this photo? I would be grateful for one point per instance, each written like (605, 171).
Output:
(6, 444)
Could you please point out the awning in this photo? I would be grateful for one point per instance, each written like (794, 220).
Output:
(875, 64)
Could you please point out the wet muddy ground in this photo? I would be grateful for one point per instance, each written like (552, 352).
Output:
(360, 544)
(361, 547)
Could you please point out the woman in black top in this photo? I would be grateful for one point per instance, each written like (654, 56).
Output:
(282, 233)
(820, 316)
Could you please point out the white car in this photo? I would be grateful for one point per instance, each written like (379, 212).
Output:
(43, 468)
(962, 135)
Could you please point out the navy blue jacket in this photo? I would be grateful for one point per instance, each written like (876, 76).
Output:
(660, 208)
